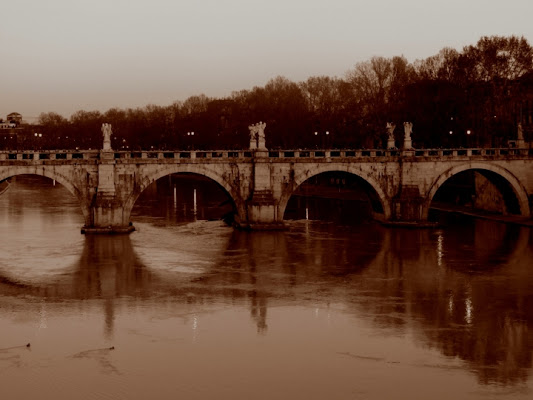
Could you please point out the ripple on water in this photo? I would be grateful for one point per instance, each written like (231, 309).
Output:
(189, 248)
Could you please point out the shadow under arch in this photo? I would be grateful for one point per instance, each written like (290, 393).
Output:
(381, 207)
(506, 177)
(231, 191)
(8, 172)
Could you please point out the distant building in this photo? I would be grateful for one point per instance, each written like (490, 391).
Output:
(7, 125)
(14, 118)
(13, 132)
(12, 121)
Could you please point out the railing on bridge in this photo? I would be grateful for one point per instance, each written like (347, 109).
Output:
(42, 155)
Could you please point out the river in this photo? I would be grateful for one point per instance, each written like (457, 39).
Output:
(186, 307)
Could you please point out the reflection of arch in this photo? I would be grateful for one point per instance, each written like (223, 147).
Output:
(107, 267)
(380, 196)
(52, 174)
(518, 190)
(150, 178)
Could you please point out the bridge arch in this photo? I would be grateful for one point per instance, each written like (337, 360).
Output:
(232, 189)
(51, 173)
(302, 176)
(518, 189)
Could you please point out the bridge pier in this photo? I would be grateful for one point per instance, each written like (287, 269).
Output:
(107, 214)
(262, 206)
(263, 212)
(408, 208)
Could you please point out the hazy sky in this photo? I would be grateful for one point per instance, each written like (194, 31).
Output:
(67, 55)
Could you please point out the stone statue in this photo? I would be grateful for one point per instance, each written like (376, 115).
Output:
(520, 132)
(106, 131)
(261, 135)
(253, 136)
(257, 136)
(408, 128)
(390, 131)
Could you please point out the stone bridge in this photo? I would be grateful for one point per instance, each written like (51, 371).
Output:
(400, 183)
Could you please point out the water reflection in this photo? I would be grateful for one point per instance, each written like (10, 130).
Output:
(465, 290)
(481, 315)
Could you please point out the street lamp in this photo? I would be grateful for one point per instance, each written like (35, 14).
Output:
(191, 144)
(38, 135)
(323, 140)
(469, 138)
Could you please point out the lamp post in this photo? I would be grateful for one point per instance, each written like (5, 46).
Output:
(38, 142)
(461, 138)
(190, 142)
(322, 139)
(469, 138)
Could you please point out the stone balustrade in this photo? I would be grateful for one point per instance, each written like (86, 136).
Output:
(160, 155)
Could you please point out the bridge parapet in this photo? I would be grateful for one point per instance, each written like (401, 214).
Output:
(41, 155)
(273, 155)
(321, 154)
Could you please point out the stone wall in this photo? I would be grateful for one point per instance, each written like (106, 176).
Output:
(488, 197)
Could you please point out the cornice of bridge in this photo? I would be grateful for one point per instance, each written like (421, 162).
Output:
(9, 157)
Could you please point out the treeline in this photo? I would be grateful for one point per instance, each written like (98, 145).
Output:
(486, 89)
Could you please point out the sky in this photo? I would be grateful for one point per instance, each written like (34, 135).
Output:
(70, 55)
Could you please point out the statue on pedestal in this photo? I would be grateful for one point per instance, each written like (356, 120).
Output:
(107, 132)
(257, 136)
(407, 128)
(390, 131)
